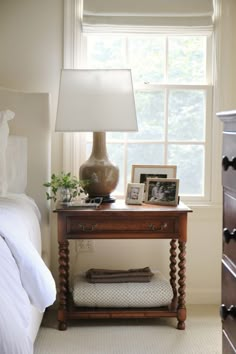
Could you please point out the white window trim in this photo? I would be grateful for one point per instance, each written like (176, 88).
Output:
(72, 144)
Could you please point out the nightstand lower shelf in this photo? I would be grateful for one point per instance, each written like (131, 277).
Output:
(76, 312)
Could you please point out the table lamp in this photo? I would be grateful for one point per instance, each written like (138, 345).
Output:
(98, 101)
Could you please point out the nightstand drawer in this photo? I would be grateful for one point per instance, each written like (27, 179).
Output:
(120, 225)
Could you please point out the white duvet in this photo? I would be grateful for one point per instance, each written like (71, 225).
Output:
(24, 277)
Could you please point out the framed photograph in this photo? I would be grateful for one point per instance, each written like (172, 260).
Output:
(140, 173)
(134, 193)
(162, 191)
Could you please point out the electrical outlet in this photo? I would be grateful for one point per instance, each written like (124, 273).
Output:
(85, 246)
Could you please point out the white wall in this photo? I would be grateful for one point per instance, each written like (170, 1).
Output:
(31, 47)
(227, 67)
(31, 44)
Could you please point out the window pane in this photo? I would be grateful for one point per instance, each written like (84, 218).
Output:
(187, 59)
(105, 52)
(150, 115)
(116, 156)
(190, 167)
(147, 58)
(186, 115)
(144, 154)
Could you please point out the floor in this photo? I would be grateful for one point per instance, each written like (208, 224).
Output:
(159, 336)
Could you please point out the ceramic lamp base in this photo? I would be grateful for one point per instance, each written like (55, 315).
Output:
(102, 175)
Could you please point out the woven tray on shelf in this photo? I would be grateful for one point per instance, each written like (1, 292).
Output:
(157, 292)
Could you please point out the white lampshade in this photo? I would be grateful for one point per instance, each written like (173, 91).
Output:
(96, 100)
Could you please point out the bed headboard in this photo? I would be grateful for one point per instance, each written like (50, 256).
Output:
(32, 120)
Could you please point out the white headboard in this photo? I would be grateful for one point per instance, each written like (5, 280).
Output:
(32, 120)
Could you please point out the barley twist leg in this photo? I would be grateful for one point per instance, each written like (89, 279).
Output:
(181, 309)
(63, 284)
(172, 273)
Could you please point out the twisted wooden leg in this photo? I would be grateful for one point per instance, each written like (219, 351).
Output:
(172, 273)
(63, 283)
(181, 310)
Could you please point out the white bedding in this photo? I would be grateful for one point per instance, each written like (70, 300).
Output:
(24, 278)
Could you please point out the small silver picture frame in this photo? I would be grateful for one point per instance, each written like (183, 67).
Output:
(134, 193)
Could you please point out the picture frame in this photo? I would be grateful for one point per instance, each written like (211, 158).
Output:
(140, 173)
(134, 194)
(162, 191)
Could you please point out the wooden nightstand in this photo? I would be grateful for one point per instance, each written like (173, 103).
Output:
(121, 221)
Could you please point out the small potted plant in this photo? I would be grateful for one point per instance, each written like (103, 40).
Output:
(67, 186)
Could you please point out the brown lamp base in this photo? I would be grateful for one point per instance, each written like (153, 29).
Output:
(102, 175)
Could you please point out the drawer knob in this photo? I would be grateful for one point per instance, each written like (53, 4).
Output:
(225, 312)
(153, 227)
(226, 163)
(229, 235)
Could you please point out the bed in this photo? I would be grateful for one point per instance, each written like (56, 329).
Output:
(27, 286)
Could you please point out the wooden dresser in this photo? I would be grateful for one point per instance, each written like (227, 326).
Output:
(228, 305)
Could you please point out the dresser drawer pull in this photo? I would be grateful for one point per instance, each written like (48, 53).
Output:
(229, 235)
(87, 227)
(225, 312)
(226, 163)
(153, 227)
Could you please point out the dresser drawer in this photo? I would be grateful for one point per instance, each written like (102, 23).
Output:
(121, 225)
(229, 225)
(227, 345)
(229, 297)
(229, 152)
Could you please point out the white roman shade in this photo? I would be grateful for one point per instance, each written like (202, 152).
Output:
(102, 15)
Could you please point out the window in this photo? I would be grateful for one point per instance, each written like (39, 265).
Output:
(173, 96)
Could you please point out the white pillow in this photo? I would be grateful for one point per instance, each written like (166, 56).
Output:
(16, 164)
(4, 132)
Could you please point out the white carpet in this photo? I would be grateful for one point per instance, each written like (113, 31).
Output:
(158, 336)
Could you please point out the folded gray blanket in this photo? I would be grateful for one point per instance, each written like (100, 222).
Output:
(138, 275)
